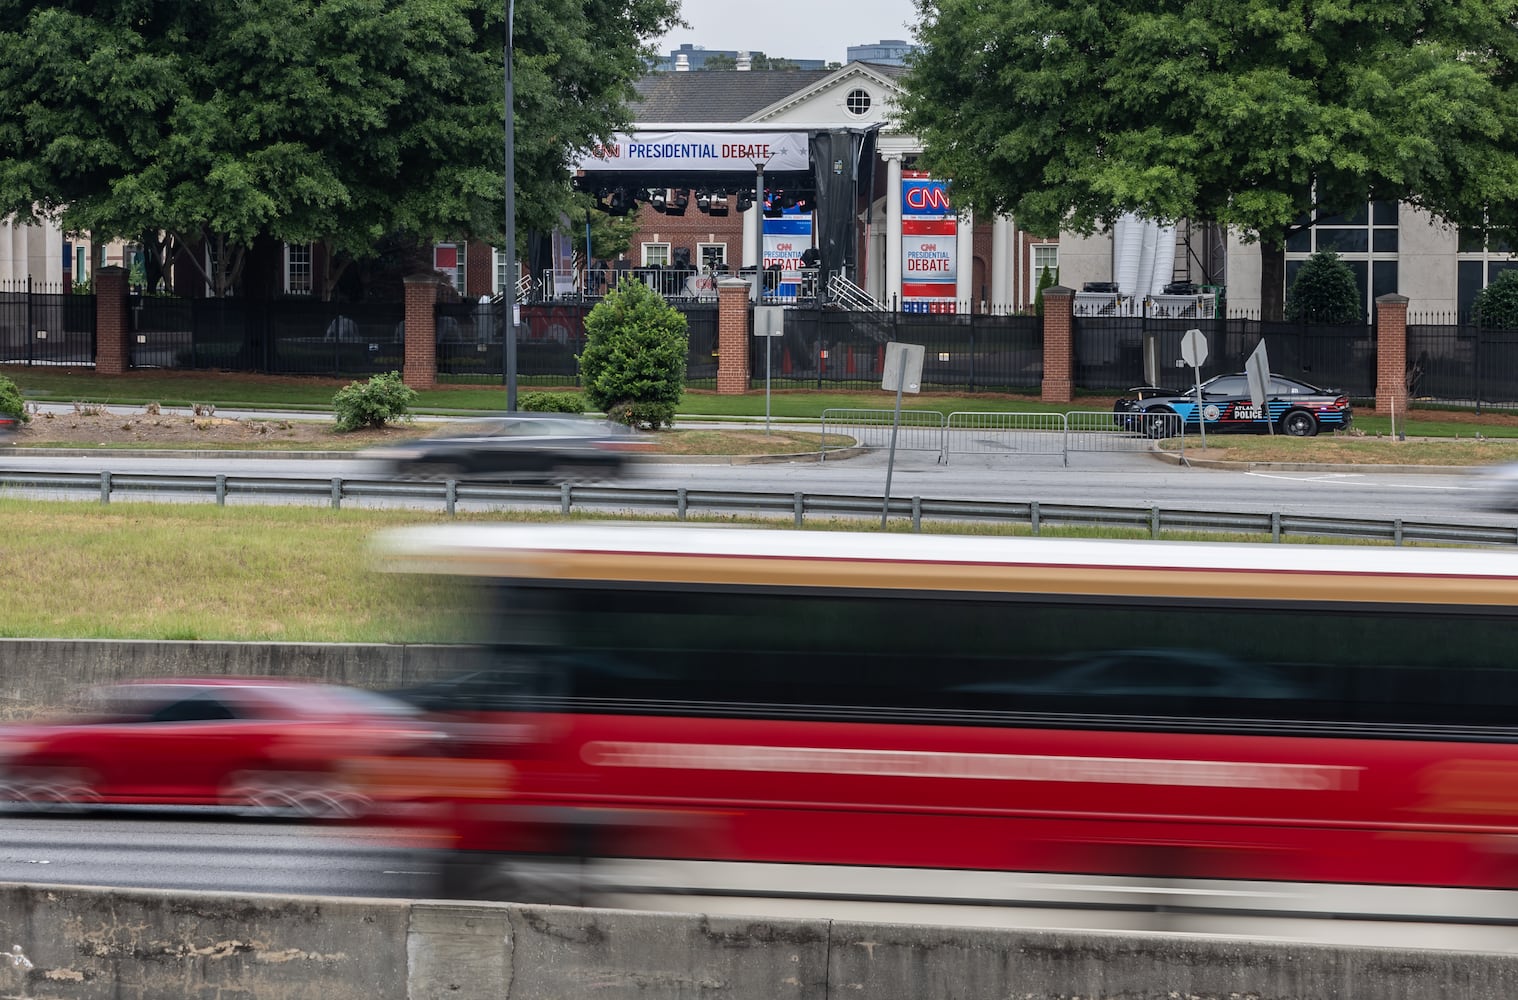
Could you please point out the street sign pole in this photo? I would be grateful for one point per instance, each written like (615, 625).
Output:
(1257, 370)
(1194, 352)
(885, 503)
(769, 323)
(902, 372)
(767, 354)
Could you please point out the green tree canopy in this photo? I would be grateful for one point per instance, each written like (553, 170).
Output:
(1324, 291)
(305, 120)
(1250, 113)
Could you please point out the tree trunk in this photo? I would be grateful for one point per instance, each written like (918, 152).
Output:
(1272, 277)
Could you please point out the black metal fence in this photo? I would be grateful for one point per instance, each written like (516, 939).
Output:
(279, 337)
(470, 347)
(45, 325)
(1450, 361)
(1110, 352)
(832, 348)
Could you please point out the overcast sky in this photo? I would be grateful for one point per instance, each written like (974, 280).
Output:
(791, 29)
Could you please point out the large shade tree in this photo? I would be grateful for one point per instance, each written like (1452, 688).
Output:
(216, 122)
(1256, 114)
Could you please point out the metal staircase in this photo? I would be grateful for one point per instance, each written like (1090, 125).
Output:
(850, 296)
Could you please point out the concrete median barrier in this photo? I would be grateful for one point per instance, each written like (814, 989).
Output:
(68, 943)
(42, 674)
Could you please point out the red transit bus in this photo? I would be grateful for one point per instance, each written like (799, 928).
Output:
(825, 709)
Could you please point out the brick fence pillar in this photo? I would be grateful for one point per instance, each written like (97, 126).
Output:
(112, 353)
(1391, 354)
(732, 335)
(1059, 344)
(421, 334)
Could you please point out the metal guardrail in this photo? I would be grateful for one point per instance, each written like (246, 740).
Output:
(682, 502)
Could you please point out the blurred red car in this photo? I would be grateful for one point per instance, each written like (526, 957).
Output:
(259, 746)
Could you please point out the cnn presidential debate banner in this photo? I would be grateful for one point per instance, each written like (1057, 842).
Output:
(929, 246)
(723, 152)
(786, 241)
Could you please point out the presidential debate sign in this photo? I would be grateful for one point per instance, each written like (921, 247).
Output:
(713, 152)
(929, 246)
(786, 241)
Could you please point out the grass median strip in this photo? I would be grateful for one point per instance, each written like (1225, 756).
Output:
(281, 574)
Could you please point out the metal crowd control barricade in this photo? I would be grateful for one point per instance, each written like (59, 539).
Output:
(1023, 434)
(971, 433)
(921, 430)
(1109, 431)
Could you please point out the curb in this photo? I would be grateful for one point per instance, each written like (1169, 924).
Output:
(1176, 458)
(171, 453)
(800, 456)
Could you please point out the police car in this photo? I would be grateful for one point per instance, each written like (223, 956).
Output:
(1292, 407)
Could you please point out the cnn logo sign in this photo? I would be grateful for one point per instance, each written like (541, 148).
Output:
(928, 198)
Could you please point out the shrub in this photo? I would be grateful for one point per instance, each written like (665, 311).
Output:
(1496, 305)
(1045, 280)
(11, 403)
(552, 402)
(649, 416)
(1324, 291)
(634, 358)
(373, 403)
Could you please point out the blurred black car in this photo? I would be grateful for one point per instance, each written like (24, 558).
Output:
(9, 425)
(522, 447)
(1499, 486)
(1292, 407)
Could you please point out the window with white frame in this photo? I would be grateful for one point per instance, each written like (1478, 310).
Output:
(498, 271)
(297, 269)
(656, 255)
(449, 259)
(1045, 255)
(711, 256)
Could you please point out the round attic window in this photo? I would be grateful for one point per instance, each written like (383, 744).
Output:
(858, 102)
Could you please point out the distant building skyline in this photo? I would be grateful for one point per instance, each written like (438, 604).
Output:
(889, 51)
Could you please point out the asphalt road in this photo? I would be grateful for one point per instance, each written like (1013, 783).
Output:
(1098, 478)
(1091, 478)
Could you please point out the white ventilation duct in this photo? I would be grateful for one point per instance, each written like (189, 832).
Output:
(1128, 249)
(682, 63)
(1150, 237)
(1164, 260)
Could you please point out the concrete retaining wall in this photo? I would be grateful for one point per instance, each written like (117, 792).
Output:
(41, 674)
(83, 944)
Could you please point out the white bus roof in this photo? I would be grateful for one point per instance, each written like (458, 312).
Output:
(468, 548)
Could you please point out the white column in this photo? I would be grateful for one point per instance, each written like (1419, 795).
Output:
(52, 260)
(1001, 264)
(964, 280)
(893, 231)
(7, 256)
(752, 220)
(20, 262)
